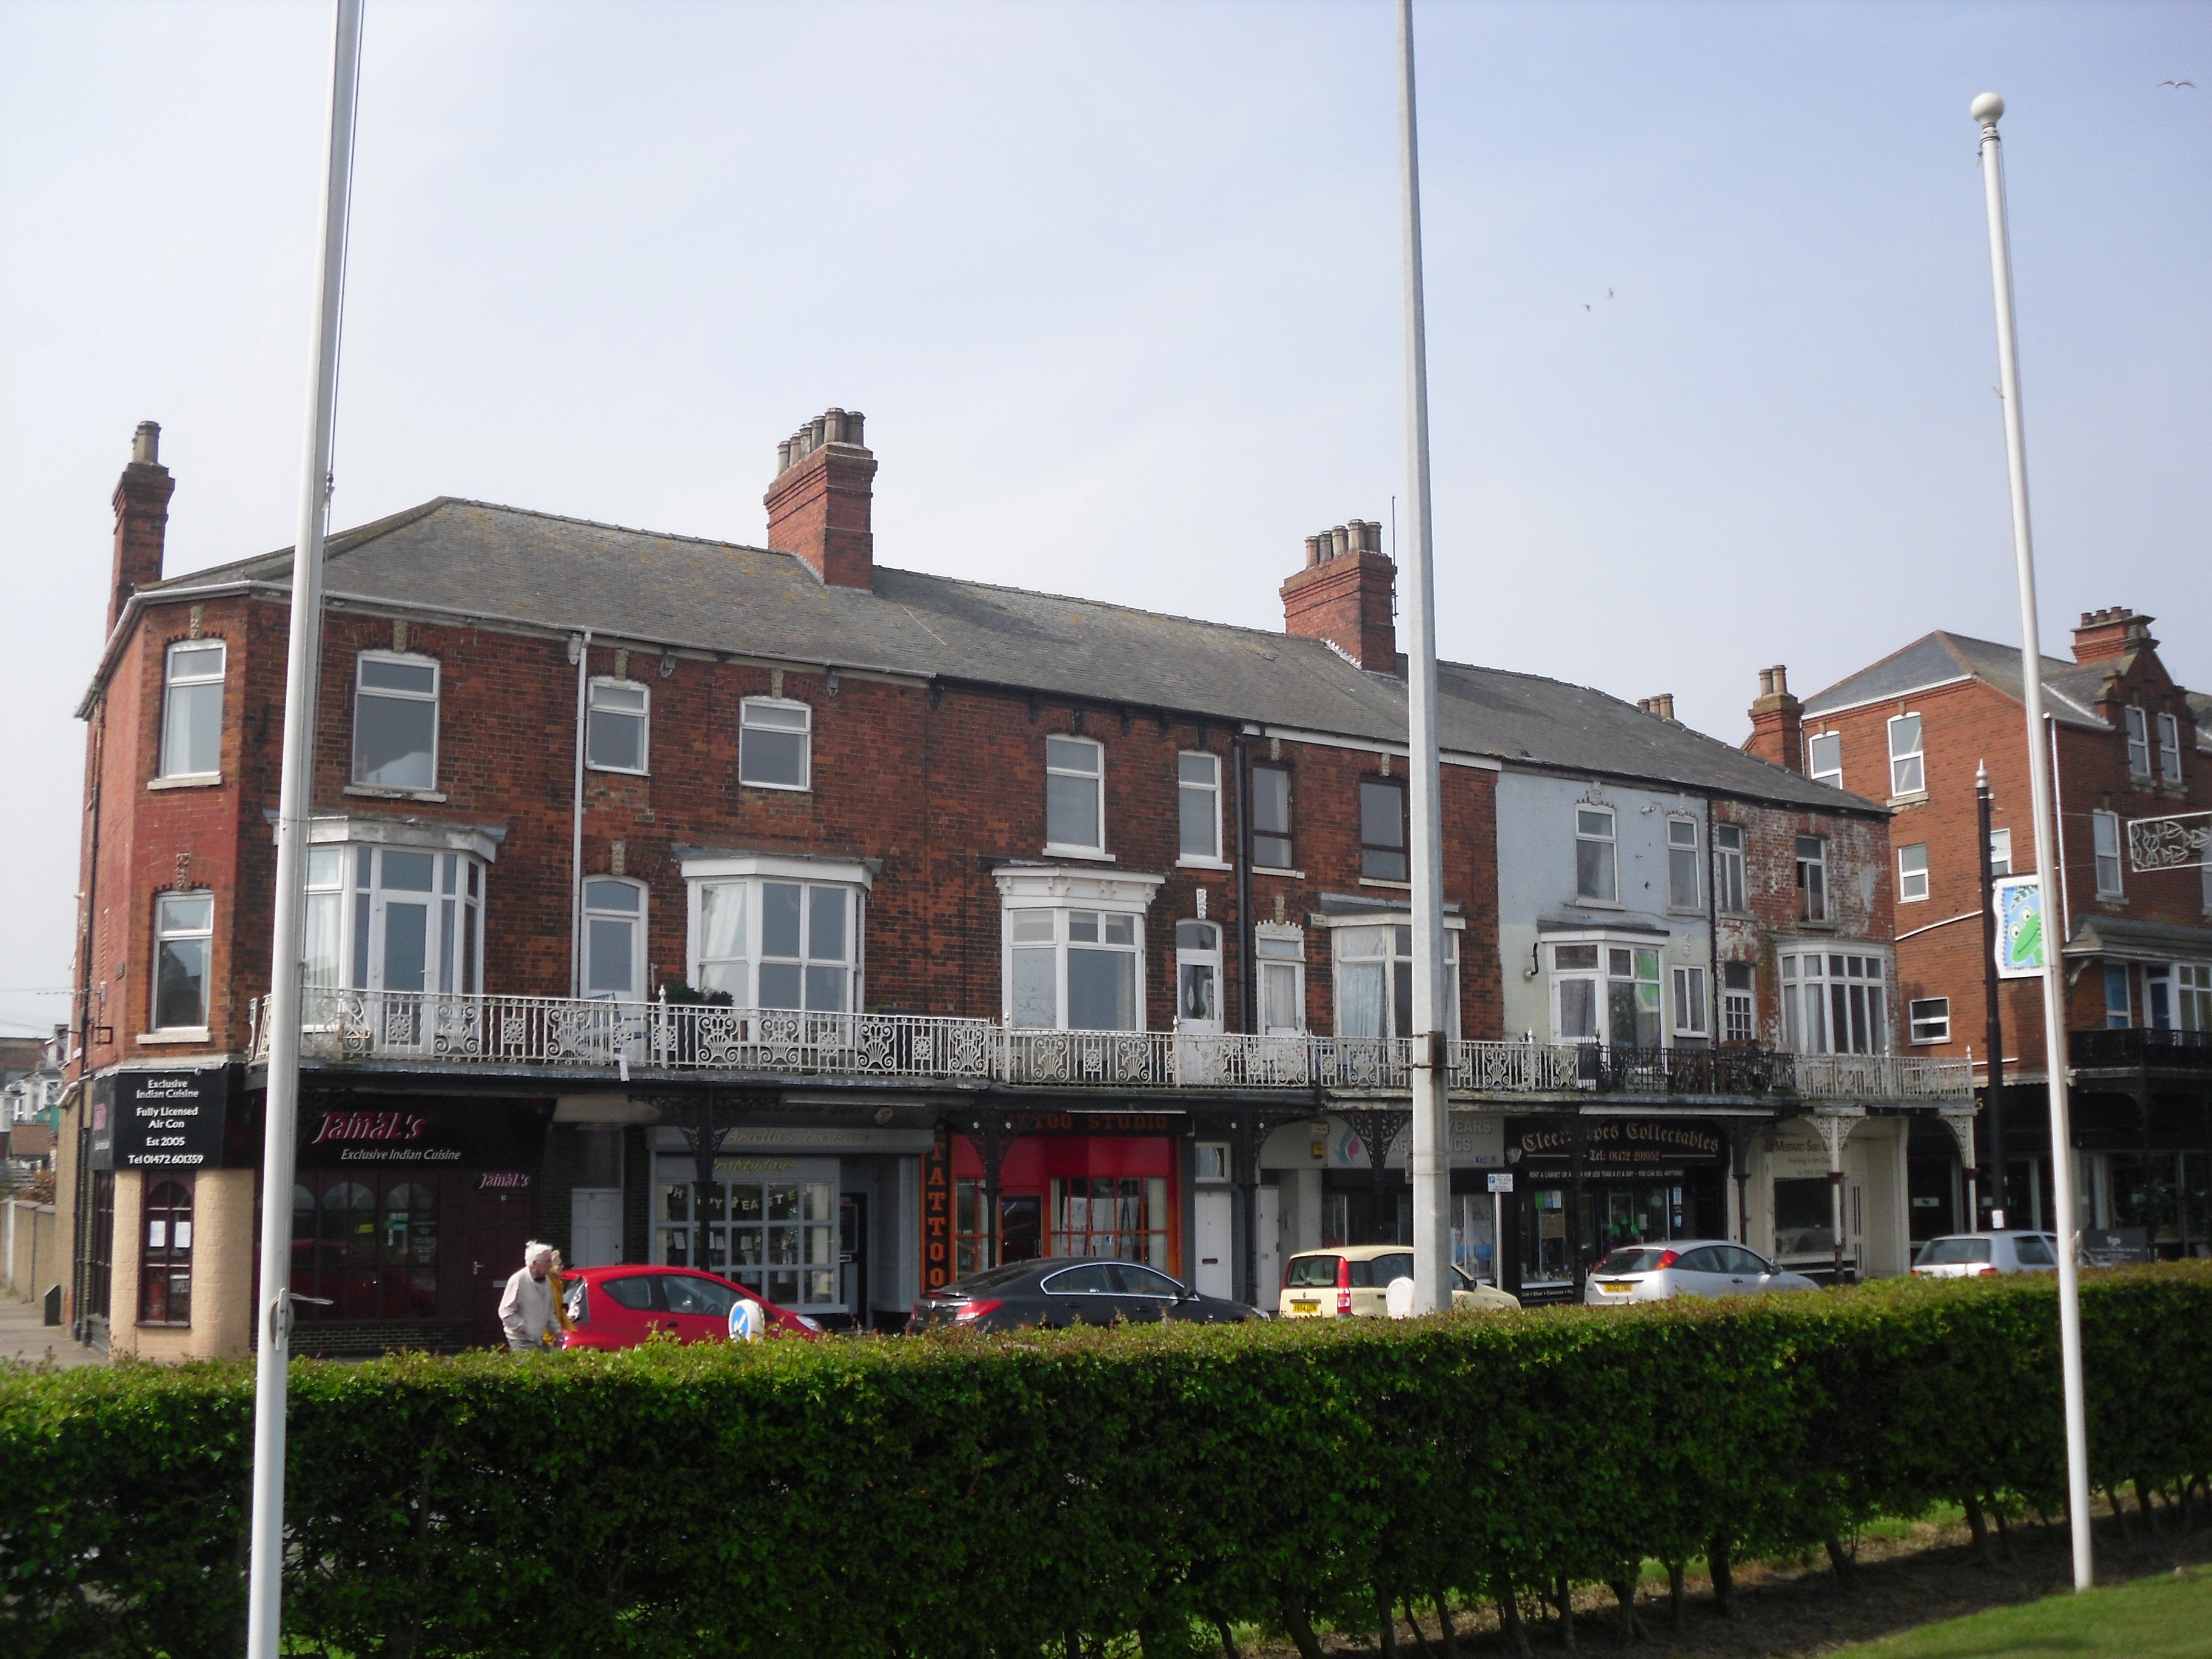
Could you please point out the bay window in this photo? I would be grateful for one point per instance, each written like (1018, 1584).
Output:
(393, 915)
(781, 932)
(395, 721)
(191, 709)
(1374, 969)
(1834, 1003)
(1605, 992)
(1073, 949)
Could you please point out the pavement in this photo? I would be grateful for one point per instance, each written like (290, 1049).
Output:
(25, 1336)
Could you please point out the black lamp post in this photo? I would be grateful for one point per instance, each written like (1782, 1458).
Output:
(1995, 1034)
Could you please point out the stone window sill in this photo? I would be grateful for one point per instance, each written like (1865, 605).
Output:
(1202, 864)
(1277, 870)
(1088, 854)
(188, 780)
(378, 792)
(175, 1034)
(1395, 886)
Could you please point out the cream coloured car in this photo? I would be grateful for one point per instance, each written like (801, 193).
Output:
(1353, 1281)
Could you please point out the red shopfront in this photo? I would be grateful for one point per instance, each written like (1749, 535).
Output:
(1065, 1189)
(408, 1215)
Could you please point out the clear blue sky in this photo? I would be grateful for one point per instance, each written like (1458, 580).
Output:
(1117, 287)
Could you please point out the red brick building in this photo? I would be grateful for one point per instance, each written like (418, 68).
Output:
(834, 925)
(1914, 729)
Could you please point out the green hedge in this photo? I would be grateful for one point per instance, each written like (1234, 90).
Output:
(999, 1496)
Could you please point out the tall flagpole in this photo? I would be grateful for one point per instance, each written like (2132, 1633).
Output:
(1431, 1162)
(1988, 109)
(295, 796)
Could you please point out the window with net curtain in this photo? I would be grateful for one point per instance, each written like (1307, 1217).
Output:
(781, 945)
(1374, 982)
(1091, 958)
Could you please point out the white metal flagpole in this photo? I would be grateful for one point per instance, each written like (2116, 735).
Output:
(294, 802)
(1431, 1160)
(1987, 110)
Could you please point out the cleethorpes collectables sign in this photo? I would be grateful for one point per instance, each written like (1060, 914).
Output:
(171, 1119)
(1621, 1143)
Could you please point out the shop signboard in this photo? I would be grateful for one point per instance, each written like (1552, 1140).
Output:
(1621, 1145)
(496, 1135)
(173, 1118)
(937, 1214)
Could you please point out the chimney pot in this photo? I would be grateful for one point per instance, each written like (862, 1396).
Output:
(1340, 544)
(1313, 552)
(146, 445)
(1781, 681)
(1766, 682)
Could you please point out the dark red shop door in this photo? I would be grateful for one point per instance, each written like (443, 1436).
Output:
(495, 1226)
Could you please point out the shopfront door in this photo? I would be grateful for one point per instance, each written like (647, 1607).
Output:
(1217, 1267)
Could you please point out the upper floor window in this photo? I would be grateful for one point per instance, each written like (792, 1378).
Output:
(1912, 873)
(2105, 839)
(1281, 948)
(395, 721)
(770, 944)
(615, 725)
(1198, 976)
(1682, 890)
(1907, 775)
(1728, 866)
(191, 709)
(775, 747)
(1689, 1001)
(2138, 743)
(1074, 970)
(1374, 982)
(1834, 1004)
(1198, 797)
(1596, 875)
(1823, 758)
(2169, 748)
(614, 939)
(2193, 991)
(386, 918)
(1383, 831)
(1812, 879)
(164, 1261)
(183, 938)
(1930, 1018)
(2119, 1004)
(1739, 1006)
(1606, 992)
(1271, 817)
(1075, 794)
(2000, 851)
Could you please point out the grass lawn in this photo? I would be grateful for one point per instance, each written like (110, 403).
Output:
(2169, 1617)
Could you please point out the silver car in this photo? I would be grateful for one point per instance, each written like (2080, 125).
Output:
(1685, 1267)
(1978, 1255)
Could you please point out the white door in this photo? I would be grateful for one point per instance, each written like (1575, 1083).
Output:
(1270, 1224)
(1198, 978)
(1217, 1255)
(595, 1226)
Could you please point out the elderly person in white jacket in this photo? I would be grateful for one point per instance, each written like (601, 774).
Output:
(527, 1311)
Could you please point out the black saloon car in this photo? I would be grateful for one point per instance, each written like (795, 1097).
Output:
(1059, 1291)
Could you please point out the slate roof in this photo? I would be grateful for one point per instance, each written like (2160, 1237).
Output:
(2070, 690)
(501, 563)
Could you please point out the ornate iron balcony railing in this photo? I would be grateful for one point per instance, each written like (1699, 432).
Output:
(571, 1034)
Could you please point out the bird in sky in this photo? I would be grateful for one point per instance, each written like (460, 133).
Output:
(2177, 85)
(1608, 294)
(1586, 305)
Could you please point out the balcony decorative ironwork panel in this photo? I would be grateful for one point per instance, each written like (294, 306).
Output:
(2141, 1048)
(344, 1027)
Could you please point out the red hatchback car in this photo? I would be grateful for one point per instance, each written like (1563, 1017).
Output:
(620, 1306)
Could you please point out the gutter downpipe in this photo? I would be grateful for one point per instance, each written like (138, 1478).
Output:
(295, 806)
(80, 1275)
(1247, 1009)
(582, 643)
(1988, 109)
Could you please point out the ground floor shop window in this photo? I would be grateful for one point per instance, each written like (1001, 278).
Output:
(1069, 1195)
(1557, 1245)
(365, 1242)
(1804, 1217)
(1475, 1235)
(772, 1232)
(2164, 1193)
(165, 1262)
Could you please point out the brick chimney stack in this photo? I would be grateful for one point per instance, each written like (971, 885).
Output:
(822, 504)
(142, 518)
(2116, 631)
(1777, 721)
(1345, 595)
